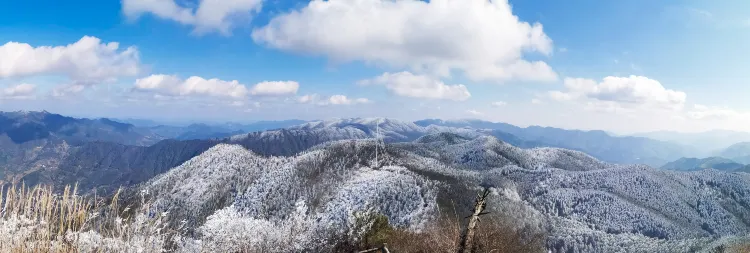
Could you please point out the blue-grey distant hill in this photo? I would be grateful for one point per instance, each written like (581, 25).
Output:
(739, 152)
(616, 149)
(693, 164)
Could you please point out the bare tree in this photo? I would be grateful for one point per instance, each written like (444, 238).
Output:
(467, 238)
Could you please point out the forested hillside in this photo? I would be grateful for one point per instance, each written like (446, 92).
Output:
(585, 205)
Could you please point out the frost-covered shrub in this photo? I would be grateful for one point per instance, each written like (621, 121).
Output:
(228, 230)
(142, 234)
(37, 220)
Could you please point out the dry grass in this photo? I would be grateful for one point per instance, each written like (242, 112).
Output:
(38, 220)
(496, 235)
(740, 248)
(45, 217)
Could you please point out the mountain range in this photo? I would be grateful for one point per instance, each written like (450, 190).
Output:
(41, 146)
(584, 205)
(706, 143)
(585, 189)
(205, 131)
(22, 127)
(54, 149)
(616, 149)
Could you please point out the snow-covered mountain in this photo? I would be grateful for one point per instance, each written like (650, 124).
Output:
(390, 130)
(105, 158)
(617, 149)
(583, 204)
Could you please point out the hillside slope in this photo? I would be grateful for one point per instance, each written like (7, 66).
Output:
(691, 164)
(585, 205)
(616, 149)
(107, 166)
(739, 152)
(22, 127)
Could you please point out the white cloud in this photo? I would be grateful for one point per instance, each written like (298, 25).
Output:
(474, 112)
(19, 91)
(536, 101)
(480, 37)
(498, 103)
(332, 100)
(240, 103)
(67, 90)
(170, 85)
(208, 16)
(626, 92)
(310, 98)
(560, 96)
(607, 107)
(343, 100)
(275, 88)
(87, 60)
(701, 112)
(720, 117)
(419, 86)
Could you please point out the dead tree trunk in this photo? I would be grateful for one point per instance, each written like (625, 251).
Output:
(467, 237)
(383, 249)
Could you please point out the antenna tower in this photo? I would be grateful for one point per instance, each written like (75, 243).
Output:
(377, 140)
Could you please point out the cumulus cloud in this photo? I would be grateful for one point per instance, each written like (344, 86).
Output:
(498, 103)
(479, 37)
(419, 86)
(170, 85)
(19, 91)
(626, 92)
(275, 88)
(207, 16)
(332, 100)
(536, 101)
(87, 60)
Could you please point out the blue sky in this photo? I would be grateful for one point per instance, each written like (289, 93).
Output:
(622, 66)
